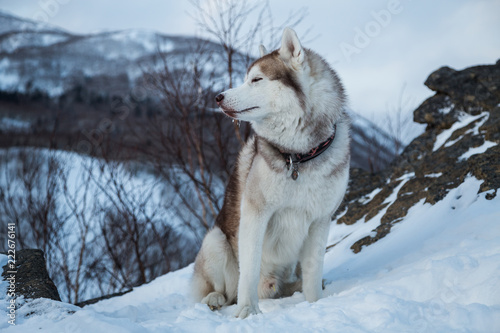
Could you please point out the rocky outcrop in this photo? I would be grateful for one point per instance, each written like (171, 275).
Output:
(471, 90)
(461, 139)
(31, 277)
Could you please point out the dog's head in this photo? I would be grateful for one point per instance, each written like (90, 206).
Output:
(272, 84)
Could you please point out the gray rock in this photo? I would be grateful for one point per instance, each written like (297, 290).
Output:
(32, 279)
(471, 90)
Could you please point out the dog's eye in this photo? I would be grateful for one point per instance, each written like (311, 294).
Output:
(256, 79)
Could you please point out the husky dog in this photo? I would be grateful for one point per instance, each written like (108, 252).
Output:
(270, 236)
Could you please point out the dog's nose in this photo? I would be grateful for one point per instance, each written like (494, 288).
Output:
(219, 98)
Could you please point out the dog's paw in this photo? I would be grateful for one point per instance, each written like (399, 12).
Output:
(214, 300)
(244, 311)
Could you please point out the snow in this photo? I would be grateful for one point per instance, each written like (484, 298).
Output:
(31, 40)
(434, 175)
(344, 236)
(150, 41)
(14, 124)
(477, 150)
(464, 120)
(369, 197)
(437, 271)
(8, 79)
(447, 109)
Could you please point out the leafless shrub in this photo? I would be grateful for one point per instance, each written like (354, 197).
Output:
(29, 196)
(101, 231)
(33, 186)
(238, 27)
(398, 120)
(136, 235)
(382, 139)
(190, 146)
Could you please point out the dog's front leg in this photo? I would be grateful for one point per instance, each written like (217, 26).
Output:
(253, 226)
(311, 260)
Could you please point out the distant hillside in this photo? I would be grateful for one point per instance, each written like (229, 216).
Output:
(52, 60)
(40, 65)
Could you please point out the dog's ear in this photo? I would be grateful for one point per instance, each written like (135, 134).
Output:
(291, 49)
(263, 50)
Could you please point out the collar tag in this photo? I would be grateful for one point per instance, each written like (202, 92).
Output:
(301, 158)
(295, 171)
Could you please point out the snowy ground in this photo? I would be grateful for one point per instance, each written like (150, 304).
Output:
(437, 271)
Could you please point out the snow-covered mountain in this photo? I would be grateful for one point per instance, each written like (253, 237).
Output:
(49, 59)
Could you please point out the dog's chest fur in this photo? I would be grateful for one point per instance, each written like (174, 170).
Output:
(262, 178)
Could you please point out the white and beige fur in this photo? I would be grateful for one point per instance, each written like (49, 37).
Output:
(270, 236)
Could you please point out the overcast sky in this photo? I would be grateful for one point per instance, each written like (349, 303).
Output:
(377, 47)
